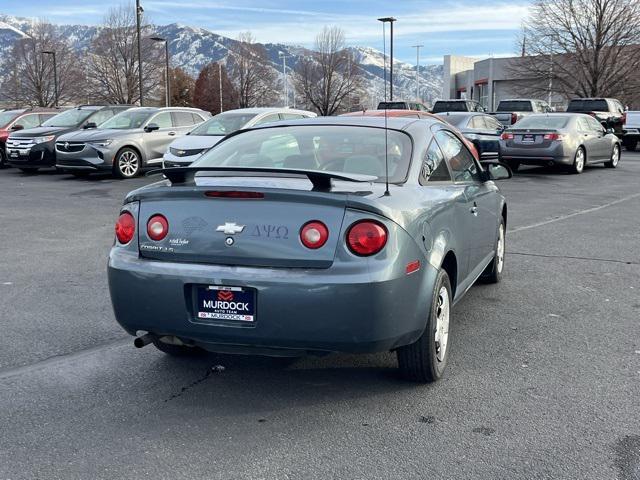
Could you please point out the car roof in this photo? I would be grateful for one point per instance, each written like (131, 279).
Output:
(165, 109)
(396, 123)
(259, 110)
(391, 112)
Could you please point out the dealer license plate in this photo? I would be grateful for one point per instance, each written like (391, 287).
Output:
(226, 303)
(528, 138)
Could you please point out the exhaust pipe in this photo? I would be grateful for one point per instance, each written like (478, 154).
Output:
(145, 339)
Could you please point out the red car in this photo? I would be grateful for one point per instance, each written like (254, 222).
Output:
(13, 120)
(410, 113)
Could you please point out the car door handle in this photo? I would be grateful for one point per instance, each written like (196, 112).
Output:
(474, 210)
(172, 133)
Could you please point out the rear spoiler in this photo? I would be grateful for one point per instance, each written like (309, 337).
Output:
(321, 180)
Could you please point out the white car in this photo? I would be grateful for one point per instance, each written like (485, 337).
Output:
(185, 150)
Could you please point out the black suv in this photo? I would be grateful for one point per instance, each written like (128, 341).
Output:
(608, 111)
(34, 148)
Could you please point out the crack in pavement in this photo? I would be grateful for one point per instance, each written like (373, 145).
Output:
(574, 214)
(569, 257)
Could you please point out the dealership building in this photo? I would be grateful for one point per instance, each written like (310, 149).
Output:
(488, 81)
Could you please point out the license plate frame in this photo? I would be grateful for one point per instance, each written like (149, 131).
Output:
(226, 304)
(528, 138)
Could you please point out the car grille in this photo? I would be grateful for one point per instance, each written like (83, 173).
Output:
(178, 152)
(69, 147)
(20, 143)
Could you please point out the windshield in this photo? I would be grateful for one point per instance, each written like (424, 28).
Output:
(223, 124)
(6, 117)
(70, 118)
(450, 107)
(588, 106)
(127, 120)
(546, 122)
(341, 149)
(515, 106)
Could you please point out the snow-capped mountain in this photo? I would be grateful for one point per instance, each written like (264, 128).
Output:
(192, 48)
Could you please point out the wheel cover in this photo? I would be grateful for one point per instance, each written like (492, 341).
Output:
(442, 323)
(500, 250)
(128, 163)
(616, 156)
(580, 159)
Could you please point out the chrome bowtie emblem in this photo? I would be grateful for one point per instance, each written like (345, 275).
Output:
(230, 228)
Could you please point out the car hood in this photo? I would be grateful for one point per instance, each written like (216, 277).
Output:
(41, 131)
(97, 134)
(194, 142)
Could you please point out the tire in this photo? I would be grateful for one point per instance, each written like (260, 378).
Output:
(29, 170)
(514, 166)
(127, 163)
(579, 161)
(493, 272)
(615, 157)
(3, 158)
(176, 350)
(631, 145)
(425, 360)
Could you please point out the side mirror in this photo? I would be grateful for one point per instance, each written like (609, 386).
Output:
(90, 125)
(496, 171)
(152, 127)
(17, 127)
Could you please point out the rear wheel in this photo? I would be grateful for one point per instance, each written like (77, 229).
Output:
(615, 157)
(514, 166)
(426, 358)
(493, 272)
(126, 163)
(578, 161)
(30, 170)
(176, 350)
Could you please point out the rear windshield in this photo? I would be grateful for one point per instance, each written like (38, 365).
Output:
(450, 107)
(341, 149)
(588, 106)
(392, 106)
(547, 122)
(223, 124)
(7, 117)
(515, 106)
(127, 120)
(70, 118)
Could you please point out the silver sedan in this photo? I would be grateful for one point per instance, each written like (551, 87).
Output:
(570, 140)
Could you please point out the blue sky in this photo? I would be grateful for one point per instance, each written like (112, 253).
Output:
(464, 27)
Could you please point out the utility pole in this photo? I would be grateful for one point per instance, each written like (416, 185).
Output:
(284, 57)
(390, 20)
(220, 83)
(417, 47)
(139, 11)
(55, 74)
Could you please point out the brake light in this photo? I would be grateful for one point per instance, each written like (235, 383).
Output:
(125, 228)
(506, 136)
(366, 237)
(553, 137)
(234, 194)
(314, 234)
(157, 227)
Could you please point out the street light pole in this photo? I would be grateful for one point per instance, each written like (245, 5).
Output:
(139, 11)
(417, 47)
(284, 57)
(220, 83)
(55, 74)
(390, 20)
(167, 81)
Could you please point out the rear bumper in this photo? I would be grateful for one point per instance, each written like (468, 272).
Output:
(305, 310)
(531, 155)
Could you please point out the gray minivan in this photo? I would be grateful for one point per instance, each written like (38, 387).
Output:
(127, 143)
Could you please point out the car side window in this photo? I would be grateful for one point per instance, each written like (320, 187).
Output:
(461, 162)
(594, 124)
(434, 168)
(491, 123)
(182, 119)
(45, 116)
(163, 120)
(291, 116)
(29, 121)
(101, 116)
(583, 125)
(274, 117)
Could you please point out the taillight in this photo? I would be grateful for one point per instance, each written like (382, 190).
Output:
(314, 234)
(506, 136)
(553, 136)
(125, 228)
(157, 227)
(366, 238)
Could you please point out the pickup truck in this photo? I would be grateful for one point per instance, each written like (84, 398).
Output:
(510, 111)
(632, 131)
(608, 111)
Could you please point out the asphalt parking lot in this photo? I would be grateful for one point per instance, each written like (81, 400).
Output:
(543, 380)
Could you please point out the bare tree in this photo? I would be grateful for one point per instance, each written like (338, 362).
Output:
(584, 48)
(113, 59)
(255, 80)
(32, 79)
(182, 86)
(330, 75)
(206, 94)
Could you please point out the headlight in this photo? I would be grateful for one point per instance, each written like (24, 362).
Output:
(48, 138)
(102, 143)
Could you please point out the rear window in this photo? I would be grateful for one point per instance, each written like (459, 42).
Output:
(515, 106)
(392, 106)
(223, 124)
(340, 149)
(546, 122)
(450, 107)
(588, 106)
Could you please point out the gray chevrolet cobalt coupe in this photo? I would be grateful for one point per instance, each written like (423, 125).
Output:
(569, 140)
(312, 236)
